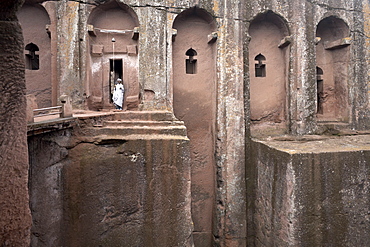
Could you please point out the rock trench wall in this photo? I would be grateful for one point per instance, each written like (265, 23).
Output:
(114, 192)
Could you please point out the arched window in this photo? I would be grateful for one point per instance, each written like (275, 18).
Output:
(191, 63)
(260, 68)
(32, 59)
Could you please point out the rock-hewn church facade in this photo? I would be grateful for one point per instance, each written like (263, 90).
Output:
(245, 123)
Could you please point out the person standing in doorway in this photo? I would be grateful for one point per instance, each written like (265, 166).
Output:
(118, 93)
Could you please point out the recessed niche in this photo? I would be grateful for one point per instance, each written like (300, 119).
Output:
(332, 57)
(268, 51)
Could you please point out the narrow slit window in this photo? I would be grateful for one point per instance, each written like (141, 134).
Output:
(32, 59)
(320, 90)
(191, 62)
(260, 66)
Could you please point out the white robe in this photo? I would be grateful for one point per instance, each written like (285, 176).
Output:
(118, 94)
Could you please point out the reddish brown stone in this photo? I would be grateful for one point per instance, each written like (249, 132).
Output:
(15, 217)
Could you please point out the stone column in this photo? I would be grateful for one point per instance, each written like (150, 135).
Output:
(230, 226)
(366, 10)
(359, 92)
(15, 217)
(68, 56)
(153, 75)
(303, 93)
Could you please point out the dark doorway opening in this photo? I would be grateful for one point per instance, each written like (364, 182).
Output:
(320, 90)
(115, 72)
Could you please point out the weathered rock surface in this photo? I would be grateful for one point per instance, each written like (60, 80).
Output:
(309, 191)
(15, 217)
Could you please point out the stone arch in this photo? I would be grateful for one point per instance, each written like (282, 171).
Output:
(194, 102)
(268, 62)
(113, 40)
(35, 21)
(332, 57)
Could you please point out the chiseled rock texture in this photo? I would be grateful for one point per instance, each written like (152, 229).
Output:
(128, 194)
(15, 217)
(309, 191)
(46, 155)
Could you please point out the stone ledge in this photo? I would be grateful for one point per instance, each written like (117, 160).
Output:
(318, 144)
(50, 125)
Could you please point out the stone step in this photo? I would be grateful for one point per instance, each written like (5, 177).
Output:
(110, 139)
(132, 123)
(176, 130)
(145, 115)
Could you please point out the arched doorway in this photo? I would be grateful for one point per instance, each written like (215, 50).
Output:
(194, 102)
(113, 39)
